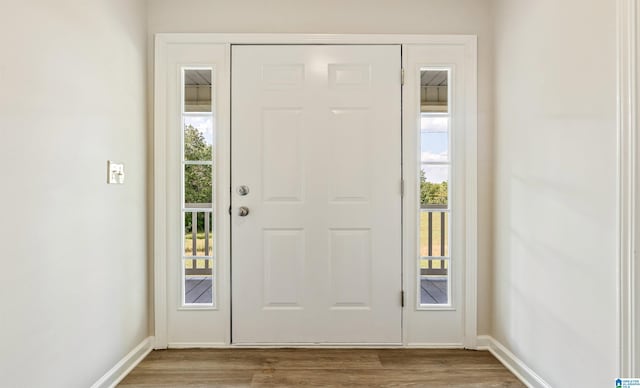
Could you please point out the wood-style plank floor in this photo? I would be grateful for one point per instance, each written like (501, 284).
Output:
(320, 368)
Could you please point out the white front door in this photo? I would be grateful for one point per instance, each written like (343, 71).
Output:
(316, 162)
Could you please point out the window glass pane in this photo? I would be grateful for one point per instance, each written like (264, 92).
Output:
(198, 281)
(434, 186)
(197, 186)
(434, 281)
(434, 91)
(434, 272)
(434, 233)
(198, 138)
(434, 139)
(198, 236)
(434, 123)
(197, 90)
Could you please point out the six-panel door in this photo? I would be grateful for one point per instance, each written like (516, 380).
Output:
(316, 141)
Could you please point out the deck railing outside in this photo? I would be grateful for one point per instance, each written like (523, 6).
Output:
(436, 263)
(435, 258)
(197, 267)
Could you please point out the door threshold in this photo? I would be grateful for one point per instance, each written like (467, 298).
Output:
(318, 345)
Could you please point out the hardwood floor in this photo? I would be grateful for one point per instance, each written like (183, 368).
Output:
(320, 368)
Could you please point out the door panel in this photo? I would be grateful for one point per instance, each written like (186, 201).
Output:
(282, 161)
(316, 139)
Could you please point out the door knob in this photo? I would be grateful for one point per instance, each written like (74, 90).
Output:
(243, 211)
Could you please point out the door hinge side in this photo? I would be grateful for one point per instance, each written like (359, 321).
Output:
(402, 298)
(402, 76)
(229, 210)
(402, 187)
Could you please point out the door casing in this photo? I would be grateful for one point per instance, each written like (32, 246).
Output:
(164, 43)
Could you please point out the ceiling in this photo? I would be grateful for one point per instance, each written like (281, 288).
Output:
(197, 77)
(427, 78)
(433, 78)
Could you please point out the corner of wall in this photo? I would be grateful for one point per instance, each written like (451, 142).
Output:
(515, 365)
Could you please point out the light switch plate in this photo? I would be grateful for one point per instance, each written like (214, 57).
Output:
(115, 173)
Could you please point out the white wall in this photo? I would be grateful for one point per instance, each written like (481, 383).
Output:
(73, 282)
(362, 16)
(555, 168)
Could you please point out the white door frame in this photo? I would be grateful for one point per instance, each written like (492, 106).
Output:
(164, 41)
(440, 325)
(628, 179)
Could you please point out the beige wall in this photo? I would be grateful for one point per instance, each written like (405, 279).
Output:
(555, 196)
(362, 16)
(74, 277)
(73, 283)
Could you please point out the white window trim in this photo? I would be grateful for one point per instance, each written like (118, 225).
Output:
(449, 163)
(163, 40)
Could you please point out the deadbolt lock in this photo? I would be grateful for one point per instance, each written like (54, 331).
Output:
(243, 190)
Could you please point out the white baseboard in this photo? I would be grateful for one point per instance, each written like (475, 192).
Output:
(126, 365)
(511, 362)
(485, 342)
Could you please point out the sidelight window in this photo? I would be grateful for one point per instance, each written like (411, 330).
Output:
(198, 182)
(434, 261)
